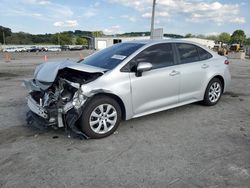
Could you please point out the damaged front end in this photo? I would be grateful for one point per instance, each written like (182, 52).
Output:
(59, 103)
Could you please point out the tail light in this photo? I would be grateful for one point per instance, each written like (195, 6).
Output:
(226, 62)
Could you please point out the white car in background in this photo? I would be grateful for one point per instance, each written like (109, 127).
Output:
(54, 49)
(20, 49)
(11, 49)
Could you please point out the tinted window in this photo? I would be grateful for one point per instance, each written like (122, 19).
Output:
(112, 56)
(203, 54)
(160, 55)
(188, 53)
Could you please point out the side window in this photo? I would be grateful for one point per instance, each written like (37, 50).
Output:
(160, 55)
(188, 53)
(203, 54)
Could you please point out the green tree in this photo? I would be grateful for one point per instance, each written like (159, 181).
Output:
(81, 41)
(63, 38)
(224, 37)
(189, 35)
(5, 32)
(238, 37)
(97, 34)
(134, 34)
(82, 33)
(247, 42)
(172, 35)
(213, 37)
(201, 36)
(19, 38)
(43, 39)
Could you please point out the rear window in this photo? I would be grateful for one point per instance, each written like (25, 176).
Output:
(191, 53)
(204, 55)
(188, 53)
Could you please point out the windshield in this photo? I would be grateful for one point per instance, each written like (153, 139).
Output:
(112, 56)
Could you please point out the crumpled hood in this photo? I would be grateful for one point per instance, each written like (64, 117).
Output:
(47, 72)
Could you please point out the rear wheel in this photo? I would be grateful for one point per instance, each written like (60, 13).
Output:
(213, 92)
(101, 117)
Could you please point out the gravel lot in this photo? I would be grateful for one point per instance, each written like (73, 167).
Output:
(189, 146)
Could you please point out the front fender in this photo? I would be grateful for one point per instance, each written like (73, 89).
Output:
(119, 87)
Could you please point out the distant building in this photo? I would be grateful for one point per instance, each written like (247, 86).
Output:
(104, 42)
(205, 42)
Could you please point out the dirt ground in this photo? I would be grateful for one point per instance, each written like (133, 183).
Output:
(189, 146)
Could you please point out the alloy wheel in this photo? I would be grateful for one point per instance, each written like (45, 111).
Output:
(103, 118)
(214, 92)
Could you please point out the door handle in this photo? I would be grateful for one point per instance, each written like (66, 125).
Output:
(204, 66)
(174, 72)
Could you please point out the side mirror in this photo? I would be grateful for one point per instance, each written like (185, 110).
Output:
(142, 67)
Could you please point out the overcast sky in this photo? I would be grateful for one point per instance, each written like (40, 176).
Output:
(119, 16)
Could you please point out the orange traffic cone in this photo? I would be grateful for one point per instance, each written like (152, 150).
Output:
(81, 56)
(7, 58)
(45, 58)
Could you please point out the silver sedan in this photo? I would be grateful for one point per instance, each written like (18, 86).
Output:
(124, 81)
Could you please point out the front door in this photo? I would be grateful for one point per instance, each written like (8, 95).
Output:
(158, 88)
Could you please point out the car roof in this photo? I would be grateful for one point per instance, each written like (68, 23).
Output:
(155, 41)
(150, 42)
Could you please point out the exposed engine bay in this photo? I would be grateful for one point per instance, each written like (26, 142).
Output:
(58, 104)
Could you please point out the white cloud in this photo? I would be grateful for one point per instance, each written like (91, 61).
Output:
(37, 15)
(192, 10)
(44, 2)
(72, 23)
(38, 2)
(89, 13)
(96, 4)
(157, 14)
(59, 11)
(112, 30)
(67, 23)
(29, 1)
(136, 4)
(212, 33)
(58, 24)
(130, 18)
(147, 15)
(157, 22)
(238, 20)
(53, 11)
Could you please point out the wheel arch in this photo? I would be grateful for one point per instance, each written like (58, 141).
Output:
(215, 76)
(221, 79)
(117, 99)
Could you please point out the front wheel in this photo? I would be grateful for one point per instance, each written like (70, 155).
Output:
(101, 117)
(213, 92)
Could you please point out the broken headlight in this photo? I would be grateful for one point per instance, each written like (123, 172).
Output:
(78, 99)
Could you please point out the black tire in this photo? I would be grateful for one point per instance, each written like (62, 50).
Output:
(84, 121)
(207, 101)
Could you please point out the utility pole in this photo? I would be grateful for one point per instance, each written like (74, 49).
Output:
(3, 37)
(152, 20)
(58, 38)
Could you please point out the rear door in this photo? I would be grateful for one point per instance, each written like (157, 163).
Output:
(194, 66)
(159, 87)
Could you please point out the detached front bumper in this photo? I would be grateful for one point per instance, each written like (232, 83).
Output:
(36, 118)
(48, 116)
(61, 114)
(40, 117)
(33, 120)
(36, 108)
